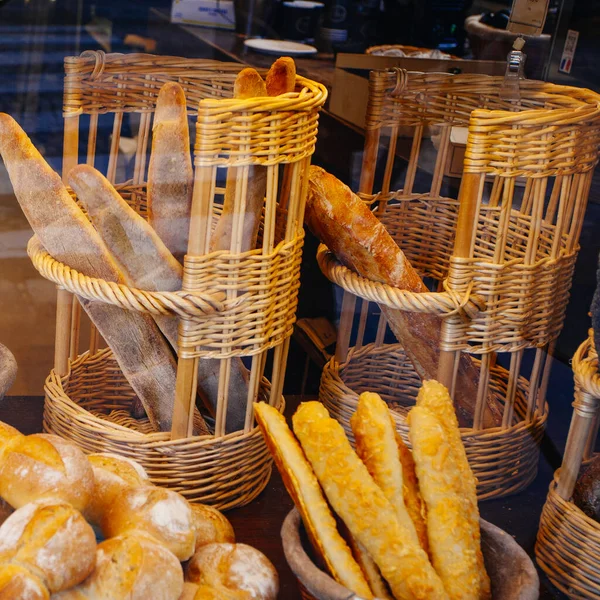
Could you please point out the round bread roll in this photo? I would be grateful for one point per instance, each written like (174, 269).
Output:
(193, 591)
(210, 525)
(132, 566)
(44, 466)
(112, 474)
(236, 568)
(52, 540)
(17, 583)
(7, 432)
(161, 513)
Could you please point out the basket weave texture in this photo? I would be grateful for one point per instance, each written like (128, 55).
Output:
(568, 541)
(500, 257)
(231, 304)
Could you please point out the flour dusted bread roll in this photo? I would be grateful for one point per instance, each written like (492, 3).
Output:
(363, 507)
(303, 487)
(44, 466)
(236, 568)
(343, 222)
(113, 474)
(170, 173)
(52, 540)
(18, 583)
(452, 538)
(163, 514)
(7, 432)
(377, 446)
(210, 525)
(134, 567)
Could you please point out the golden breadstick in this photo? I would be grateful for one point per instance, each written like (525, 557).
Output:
(363, 507)
(435, 396)
(451, 537)
(369, 568)
(303, 487)
(281, 78)
(249, 84)
(375, 434)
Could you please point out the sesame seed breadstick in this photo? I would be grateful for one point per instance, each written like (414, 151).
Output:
(451, 539)
(303, 487)
(363, 507)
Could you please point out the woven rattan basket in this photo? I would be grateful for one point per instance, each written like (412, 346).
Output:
(231, 305)
(500, 257)
(568, 541)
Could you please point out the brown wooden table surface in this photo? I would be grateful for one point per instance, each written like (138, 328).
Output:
(259, 523)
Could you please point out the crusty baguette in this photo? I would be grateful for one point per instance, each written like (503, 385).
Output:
(363, 507)
(303, 487)
(452, 539)
(375, 435)
(434, 396)
(141, 351)
(170, 173)
(142, 257)
(370, 569)
(343, 222)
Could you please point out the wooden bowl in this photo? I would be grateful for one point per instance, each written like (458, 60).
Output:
(8, 370)
(512, 573)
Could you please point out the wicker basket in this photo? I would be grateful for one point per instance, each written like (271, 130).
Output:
(568, 541)
(231, 304)
(501, 256)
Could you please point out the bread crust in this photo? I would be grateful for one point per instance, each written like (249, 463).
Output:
(281, 77)
(303, 487)
(343, 222)
(17, 582)
(210, 525)
(363, 507)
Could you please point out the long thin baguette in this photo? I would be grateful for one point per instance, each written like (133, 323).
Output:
(141, 351)
(369, 568)
(376, 445)
(303, 487)
(170, 173)
(363, 507)
(434, 396)
(343, 222)
(451, 538)
(147, 264)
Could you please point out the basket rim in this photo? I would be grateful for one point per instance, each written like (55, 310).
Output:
(585, 366)
(333, 366)
(54, 389)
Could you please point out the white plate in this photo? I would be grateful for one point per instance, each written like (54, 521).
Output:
(280, 47)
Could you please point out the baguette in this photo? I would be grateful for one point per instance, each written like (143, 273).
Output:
(363, 507)
(170, 173)
(343, 222)
(369, 568)
(434, 396)
(452, 540)
(376, 445)
(141, 351)
(142, 257)
(281, 78)
(303, 487)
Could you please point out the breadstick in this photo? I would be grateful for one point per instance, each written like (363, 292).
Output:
(343, 222)
(147, 264)
(303, 487)
(452, 540)
(281, 78)
(369, 568)
(363, 507)
(434, 396)
(376, 445)
(141, 351)
(170, 173)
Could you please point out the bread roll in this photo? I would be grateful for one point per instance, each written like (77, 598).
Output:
(170, 173)
(52, 540)
(18, 583)
(452, 539)
(210, 525)
(142, 353)
(303, 487)
(112, 475)
(45, 466)
(235, 567)
(7, 432)
(343, 222)
(132, 566)
(161, 513)
(363, 507)
(375, 434)
(192, 591)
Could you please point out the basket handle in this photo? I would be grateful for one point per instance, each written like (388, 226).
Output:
(584, 423)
